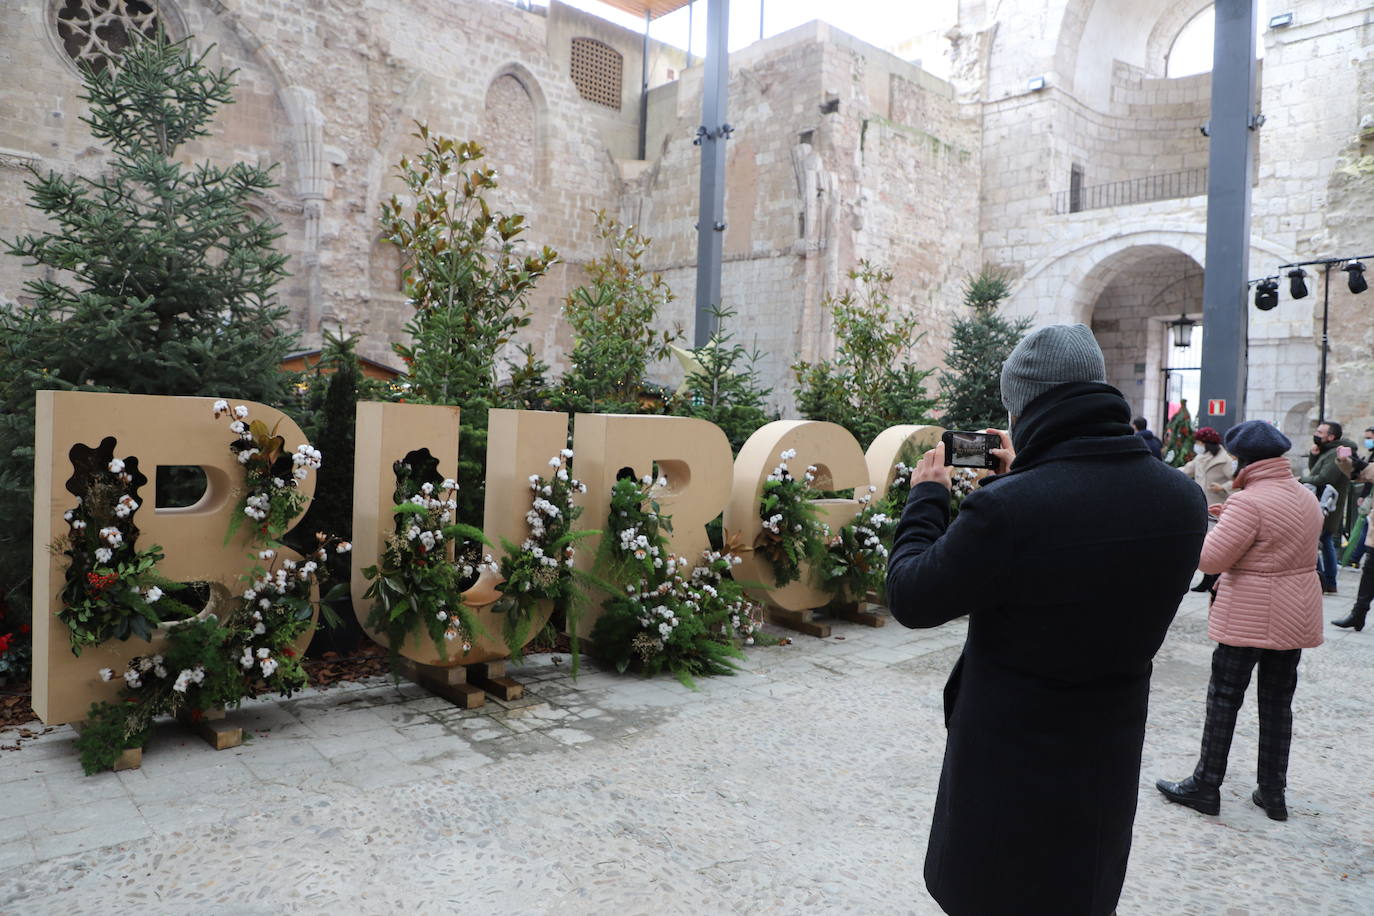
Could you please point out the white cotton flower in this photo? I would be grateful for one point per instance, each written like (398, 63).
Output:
(554, 462)
(267, 554)
(264, 652)
(300, 473)
(238, 427)
(152, 594)
(246, 455)
(534, 478)
(259, 629)
(131, 678)
(663, 481)
(78, 525)
(116, 466)
(221, 406)
(562, 474)
(442, 615)
(265, 603)
(103, 554)
(246, 659)
(566, 453)
(106, 674)
(250, 595)
(278, 482)
(269, 666)
(241, 412)
(343, 547)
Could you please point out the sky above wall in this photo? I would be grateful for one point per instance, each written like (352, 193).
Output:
(881, 23)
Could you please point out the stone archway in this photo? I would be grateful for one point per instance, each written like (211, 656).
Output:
(1067, 284)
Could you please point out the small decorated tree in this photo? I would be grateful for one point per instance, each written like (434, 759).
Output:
(159, 277)
(723, 386)
(614, 317)
(971, 383)
(869, 385)
(468, 278)
(1178, 436)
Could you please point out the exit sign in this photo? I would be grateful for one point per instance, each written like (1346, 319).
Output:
(1216, 407)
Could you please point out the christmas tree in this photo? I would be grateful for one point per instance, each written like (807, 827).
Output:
(159, 277)
(1178, 436)
(971, 383)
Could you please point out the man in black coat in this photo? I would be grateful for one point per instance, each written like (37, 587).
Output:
(1142, 429)
(1070, 564)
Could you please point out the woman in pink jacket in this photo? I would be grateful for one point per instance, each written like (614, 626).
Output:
(1267, 610)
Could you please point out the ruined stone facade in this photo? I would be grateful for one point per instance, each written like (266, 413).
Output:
(1089, 190)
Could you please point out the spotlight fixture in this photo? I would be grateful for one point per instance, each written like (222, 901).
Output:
(1297, 288)
(1281, 21)
(1355, 277)
(1266, 294)
(1035, 84)
(1182, 329)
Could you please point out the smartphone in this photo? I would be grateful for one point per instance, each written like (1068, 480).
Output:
(965, 449)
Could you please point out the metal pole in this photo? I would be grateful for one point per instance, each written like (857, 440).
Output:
(644, 92)
(1230, 155)
(1321, 384)
(691, 8)
(760, 20)
(711, 136)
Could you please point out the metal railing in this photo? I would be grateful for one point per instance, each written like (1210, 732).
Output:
(1164, 186)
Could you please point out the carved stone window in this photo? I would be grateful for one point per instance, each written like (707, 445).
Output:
(598, 71)
(95, 32)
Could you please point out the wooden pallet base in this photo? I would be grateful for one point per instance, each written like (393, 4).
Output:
(801, 621)
(449, 683)
(491, 677)
(211, 726)
(859, 612)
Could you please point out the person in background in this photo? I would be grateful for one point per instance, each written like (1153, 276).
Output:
(1151, 440)
(1355, 619)
(1211, 469)
(1323, 471)
(1267, 610)
(1360, 493)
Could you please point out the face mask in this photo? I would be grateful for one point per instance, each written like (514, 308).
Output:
(1235, 467)
(1318, 440)
(1369, 443)
(1198, 449)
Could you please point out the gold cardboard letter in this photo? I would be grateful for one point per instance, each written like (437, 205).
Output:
(519, 443)
(164, 431)
(839, 465)
(693, 454)
(886, 450)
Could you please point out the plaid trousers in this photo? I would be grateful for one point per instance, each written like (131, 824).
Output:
(1278, 678)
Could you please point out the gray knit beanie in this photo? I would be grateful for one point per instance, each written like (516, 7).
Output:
(1049, 357)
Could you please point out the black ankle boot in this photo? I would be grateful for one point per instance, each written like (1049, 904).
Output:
(1208, 580)
(1191, 793)
(1353, 620)
(1272, 801)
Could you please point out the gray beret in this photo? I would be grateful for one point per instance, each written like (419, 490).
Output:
(1049, 357)
(1255, 440)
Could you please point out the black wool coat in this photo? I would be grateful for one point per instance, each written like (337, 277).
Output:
(1070, 568)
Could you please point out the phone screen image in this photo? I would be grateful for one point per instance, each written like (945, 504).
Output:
(969, 449)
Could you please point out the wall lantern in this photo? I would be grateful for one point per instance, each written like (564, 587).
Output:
(1182, 329)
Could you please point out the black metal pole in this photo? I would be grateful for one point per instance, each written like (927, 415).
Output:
(711, 136)
(1321, 383)
(1225, 316)
(644, 92)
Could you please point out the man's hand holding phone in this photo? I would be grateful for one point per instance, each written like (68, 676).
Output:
(1005, 455)
(932, 468)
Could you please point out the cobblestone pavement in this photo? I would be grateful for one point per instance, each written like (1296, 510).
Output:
(801, 785)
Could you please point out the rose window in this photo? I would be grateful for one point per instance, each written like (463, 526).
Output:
(95, 32)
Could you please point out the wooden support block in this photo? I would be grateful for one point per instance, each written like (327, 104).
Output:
(449, 683)
(131, 758)
(491, 677)
(857, 612)
(801, 621)
(210, 725)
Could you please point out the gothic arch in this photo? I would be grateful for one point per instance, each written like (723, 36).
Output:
(1166, 31)
(539, 174)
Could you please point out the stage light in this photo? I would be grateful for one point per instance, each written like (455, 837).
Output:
(1266, 294)
(1297, 288)
(1355, 277)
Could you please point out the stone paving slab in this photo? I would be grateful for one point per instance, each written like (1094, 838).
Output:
(802, 784)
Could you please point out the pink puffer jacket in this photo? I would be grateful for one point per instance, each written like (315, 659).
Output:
(1265, 545)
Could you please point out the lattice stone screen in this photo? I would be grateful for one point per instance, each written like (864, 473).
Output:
(95, 32)
(597, 71)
